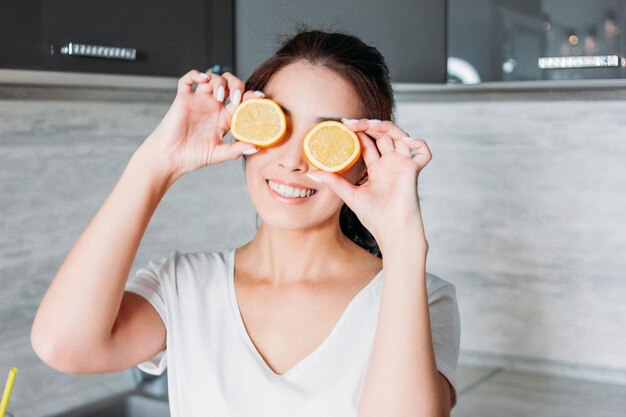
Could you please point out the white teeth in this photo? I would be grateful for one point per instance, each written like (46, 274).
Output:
(290, 192)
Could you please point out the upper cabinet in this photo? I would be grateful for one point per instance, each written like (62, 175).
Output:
(167, 38)
(423, 41)
(510, 40)
(134, 37)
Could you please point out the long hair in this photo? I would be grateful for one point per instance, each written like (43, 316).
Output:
(362, 66)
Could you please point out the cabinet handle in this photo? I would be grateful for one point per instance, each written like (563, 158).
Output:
(99, 51)
(564, 62)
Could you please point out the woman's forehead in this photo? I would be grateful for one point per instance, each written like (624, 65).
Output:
(302, 74)
(300, 89)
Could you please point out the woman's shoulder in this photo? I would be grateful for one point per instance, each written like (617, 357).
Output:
(435, 283)
(221, 256)
(201, 263)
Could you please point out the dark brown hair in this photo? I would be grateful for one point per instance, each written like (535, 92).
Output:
(362, 66)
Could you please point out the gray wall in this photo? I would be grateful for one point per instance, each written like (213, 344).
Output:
(59, 161)
(524, 206)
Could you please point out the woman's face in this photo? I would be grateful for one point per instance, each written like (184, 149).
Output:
(306, 94)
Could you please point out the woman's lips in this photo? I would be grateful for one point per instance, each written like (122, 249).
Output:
(287, 200)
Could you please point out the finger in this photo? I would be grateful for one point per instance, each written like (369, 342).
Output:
(385, 127)
(356, 124)
(247, 95)
(233, 150)
(420, 149)
(217, 87)
(186, 82)
(210, 87)
(235, 87)
(385, 144)
(402, 148)
(368, 149)
(253, 94)
(340, 186)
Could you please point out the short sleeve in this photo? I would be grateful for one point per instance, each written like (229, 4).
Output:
(149, 282)
(445, 327)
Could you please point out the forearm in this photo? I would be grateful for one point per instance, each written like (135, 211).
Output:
(81, 305)
(402, 379)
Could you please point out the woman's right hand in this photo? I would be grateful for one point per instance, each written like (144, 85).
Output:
(190, 134)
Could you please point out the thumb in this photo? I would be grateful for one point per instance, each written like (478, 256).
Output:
(336, 183)
(227, 151)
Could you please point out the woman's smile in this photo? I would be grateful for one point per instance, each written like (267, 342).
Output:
(288, 194)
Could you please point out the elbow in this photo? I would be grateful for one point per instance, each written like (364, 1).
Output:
(41, 345)
(50, 354)
(57, 355)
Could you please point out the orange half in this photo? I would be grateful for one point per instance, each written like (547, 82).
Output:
(259, 121)
(332, 147)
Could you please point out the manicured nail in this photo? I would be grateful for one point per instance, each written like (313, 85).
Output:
(236, 97)
(250, 151)
(259, 93)
(203, 75)
(314, 178)
(408, 139)
(220, 93)
(373, 121)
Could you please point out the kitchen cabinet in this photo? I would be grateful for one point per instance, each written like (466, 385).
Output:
(508, 40)
(134, 37)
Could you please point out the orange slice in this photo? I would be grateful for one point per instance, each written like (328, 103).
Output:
(259, 121)
(332, 147)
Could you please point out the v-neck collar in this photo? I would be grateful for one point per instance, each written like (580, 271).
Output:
(244, 333)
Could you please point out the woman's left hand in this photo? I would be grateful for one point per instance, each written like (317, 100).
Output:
(387, 204)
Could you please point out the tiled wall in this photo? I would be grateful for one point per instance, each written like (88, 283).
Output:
(523, 206)
(59, 162)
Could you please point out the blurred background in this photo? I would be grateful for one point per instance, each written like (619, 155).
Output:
(522, 105)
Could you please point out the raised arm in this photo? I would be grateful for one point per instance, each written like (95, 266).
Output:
(402, 378)
(86, 323)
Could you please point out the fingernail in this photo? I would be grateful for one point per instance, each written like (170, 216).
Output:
(203, 75)
(250, 151)
(352, 121)
(314, 178)
(220, 93)
(373, 121)
(236, 97)
(259, 94)
(408, 139)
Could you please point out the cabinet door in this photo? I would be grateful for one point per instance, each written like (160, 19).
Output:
(139, 37)
(510, 40)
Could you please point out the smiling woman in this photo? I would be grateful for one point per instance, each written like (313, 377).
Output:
(327, 311)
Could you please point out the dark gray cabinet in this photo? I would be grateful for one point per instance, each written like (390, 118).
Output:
(138, 37)
(509, 40)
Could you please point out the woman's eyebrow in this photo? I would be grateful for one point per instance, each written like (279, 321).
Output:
(318, 119)
(324, 118)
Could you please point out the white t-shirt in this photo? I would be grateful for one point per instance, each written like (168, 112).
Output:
(214, 369)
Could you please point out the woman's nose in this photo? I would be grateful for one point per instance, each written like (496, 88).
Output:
(291, 154)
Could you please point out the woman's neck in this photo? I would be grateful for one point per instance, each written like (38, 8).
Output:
(285, 256)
